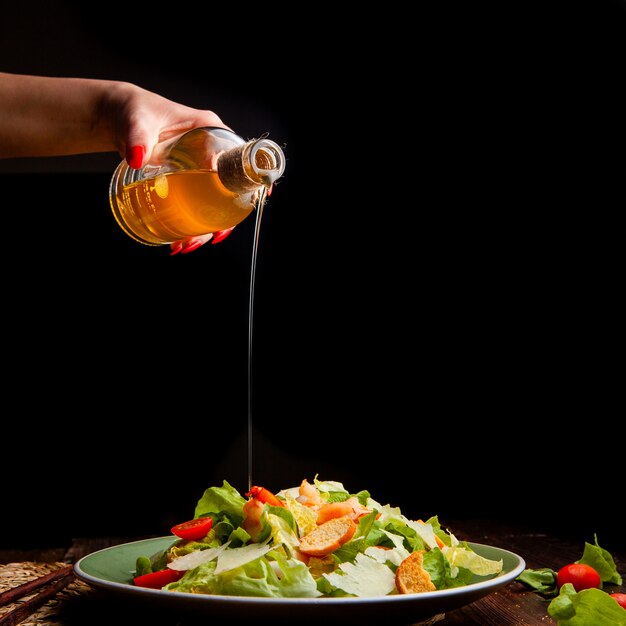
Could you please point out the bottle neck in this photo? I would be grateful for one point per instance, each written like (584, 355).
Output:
(250, 165)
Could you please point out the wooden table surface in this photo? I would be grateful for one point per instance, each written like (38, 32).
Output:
(513, 605)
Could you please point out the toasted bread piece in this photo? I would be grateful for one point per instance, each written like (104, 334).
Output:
(327, 537)
(411, 577)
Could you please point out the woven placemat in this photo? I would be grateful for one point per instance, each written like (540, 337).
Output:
(14, 574)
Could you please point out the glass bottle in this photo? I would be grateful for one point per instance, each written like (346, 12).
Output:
(206, 180)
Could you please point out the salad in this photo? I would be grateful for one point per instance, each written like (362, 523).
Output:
(313, 540)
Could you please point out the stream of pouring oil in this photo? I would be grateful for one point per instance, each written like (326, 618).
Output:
(255, 248)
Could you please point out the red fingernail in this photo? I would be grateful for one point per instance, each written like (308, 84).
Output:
(134, 156)
(176, 247)
(220, 235)
(191, 247)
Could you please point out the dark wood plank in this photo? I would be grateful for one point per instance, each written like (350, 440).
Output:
(512, 606)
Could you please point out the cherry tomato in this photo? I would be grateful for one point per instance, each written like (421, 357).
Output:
(264, 495)
(159, 579)
(620, 598)
(193, 529)
(580, 575)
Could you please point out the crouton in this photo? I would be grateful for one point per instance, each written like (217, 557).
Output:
(327, 537)
(411, 577)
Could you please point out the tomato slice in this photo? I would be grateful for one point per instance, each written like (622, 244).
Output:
(193, 529)
(156, 580)
(264, 495)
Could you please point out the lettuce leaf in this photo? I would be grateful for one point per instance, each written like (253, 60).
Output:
(602, 561)
(590, 607)
(272, 576)
(460, 556)
(440, 571)
(542, 580)
(225, 499)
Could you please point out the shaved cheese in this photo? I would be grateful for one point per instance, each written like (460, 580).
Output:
(425, 531)
(394, 555)
(230, 559)
(198, 557)
(364, 578)
(226, 559)
(382, 555)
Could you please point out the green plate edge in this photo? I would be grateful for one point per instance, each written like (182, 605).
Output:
(116, 564)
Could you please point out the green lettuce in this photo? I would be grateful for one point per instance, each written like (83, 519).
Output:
(542, 580)
(461, 556)
(272, 576)
(590, 607)
(440, 571)
(283, 529)
(602, 561)
(221, 500)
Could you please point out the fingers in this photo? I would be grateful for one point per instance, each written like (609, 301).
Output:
(220, 235)
(140, 142)
(185, 246)
(208, 118)
(135, 156)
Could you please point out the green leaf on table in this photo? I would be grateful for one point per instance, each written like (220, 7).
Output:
(602, 561)
(590, 607)
(541, 581)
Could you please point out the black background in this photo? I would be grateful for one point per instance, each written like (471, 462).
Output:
(435, 317)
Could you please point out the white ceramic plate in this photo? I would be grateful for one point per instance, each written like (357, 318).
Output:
(111, 570)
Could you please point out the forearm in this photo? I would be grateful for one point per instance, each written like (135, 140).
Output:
(42, 116)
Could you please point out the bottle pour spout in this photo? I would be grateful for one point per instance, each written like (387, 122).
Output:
(245, 167)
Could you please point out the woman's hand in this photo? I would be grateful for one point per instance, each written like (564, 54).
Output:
(141, 119)
(47, 116)
(145, 119)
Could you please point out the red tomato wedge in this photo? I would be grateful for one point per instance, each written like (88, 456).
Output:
(159, 579)
(193, 529)
(264, 495)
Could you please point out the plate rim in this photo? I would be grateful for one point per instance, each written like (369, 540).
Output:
(496, 581)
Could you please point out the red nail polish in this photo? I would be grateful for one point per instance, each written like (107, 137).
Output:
(176, 247)
(134, 156)
(191, 247)
(220, 235)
